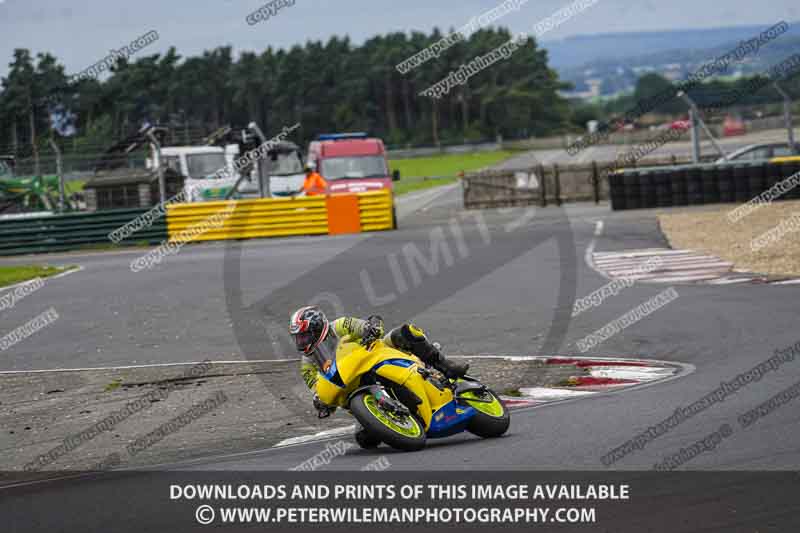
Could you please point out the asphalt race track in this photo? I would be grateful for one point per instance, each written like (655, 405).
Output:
(498, 294)
(488, 282)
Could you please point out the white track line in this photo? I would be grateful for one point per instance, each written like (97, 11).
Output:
(730, 281)
(547, 394)
(328, 433)
(588, 257)
(643, 253)
(667, 262)
(636, 273)
(154, 365)
(682, 279)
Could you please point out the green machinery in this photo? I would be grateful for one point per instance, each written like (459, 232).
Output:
(23, 194)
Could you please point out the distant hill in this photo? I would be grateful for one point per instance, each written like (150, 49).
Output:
(580, 50)
(619, 59)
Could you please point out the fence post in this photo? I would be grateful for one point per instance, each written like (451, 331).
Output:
(595, 183)
(162, 187)
(60, 174)
(543, 186)
(787, 116)
(557, 184)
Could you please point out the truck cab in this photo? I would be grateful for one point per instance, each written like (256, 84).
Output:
(199, 165)
(351, 162)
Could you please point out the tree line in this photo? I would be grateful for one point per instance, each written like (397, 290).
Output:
(325, 86)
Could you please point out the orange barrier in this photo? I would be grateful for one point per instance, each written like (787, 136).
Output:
(344, 215)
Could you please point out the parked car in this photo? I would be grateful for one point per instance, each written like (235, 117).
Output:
(682, 125)
(764, 151)
(733, 126)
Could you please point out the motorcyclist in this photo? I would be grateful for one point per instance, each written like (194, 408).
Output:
(318, 339)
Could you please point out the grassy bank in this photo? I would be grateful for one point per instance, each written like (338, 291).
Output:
(10, 275)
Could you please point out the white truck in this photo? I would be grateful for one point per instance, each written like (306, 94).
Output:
(279, 174)
(199, 166)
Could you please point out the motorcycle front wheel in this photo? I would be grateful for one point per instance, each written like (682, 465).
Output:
(491, 417)
(403, 432)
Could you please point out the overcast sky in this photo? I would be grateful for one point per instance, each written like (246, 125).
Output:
(81, 32)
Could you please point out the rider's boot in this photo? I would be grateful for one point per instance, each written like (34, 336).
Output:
(451, 369)
(411, 339)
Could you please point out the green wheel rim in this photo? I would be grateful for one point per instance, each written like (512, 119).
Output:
(407, 426)
(494, 408)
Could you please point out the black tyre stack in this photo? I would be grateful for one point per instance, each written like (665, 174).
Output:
(710, 184)
(772, 175)
(741, 183)
(757, 178)
(726, 184)
(694, 186)
(616, 191)
(678, 186)
(633, 194)
(790, 169)
(663, 187)
(647, 183)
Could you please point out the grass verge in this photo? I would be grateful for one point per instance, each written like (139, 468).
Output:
(447, 165)
(425, 172)
(407, 185)
(10, 275)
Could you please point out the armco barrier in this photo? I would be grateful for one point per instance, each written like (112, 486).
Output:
(282, 217)
(57, 233)
(698, 184)
(315, 215)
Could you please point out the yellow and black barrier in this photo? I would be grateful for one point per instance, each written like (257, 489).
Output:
(280, 217)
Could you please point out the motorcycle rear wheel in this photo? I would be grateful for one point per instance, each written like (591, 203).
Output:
(490, 419)
(404, 432)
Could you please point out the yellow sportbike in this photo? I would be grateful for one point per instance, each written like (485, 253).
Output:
(401, 402)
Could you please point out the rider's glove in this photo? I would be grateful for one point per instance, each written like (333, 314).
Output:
(323, 410)
(436, 351)
(373, 330)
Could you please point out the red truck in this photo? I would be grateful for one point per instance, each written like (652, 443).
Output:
(352, 162)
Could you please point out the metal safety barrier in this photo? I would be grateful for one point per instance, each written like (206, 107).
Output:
(57, 233)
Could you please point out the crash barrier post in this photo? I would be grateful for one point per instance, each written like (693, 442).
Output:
(699, 184)
(44, 233)
(280, 217)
